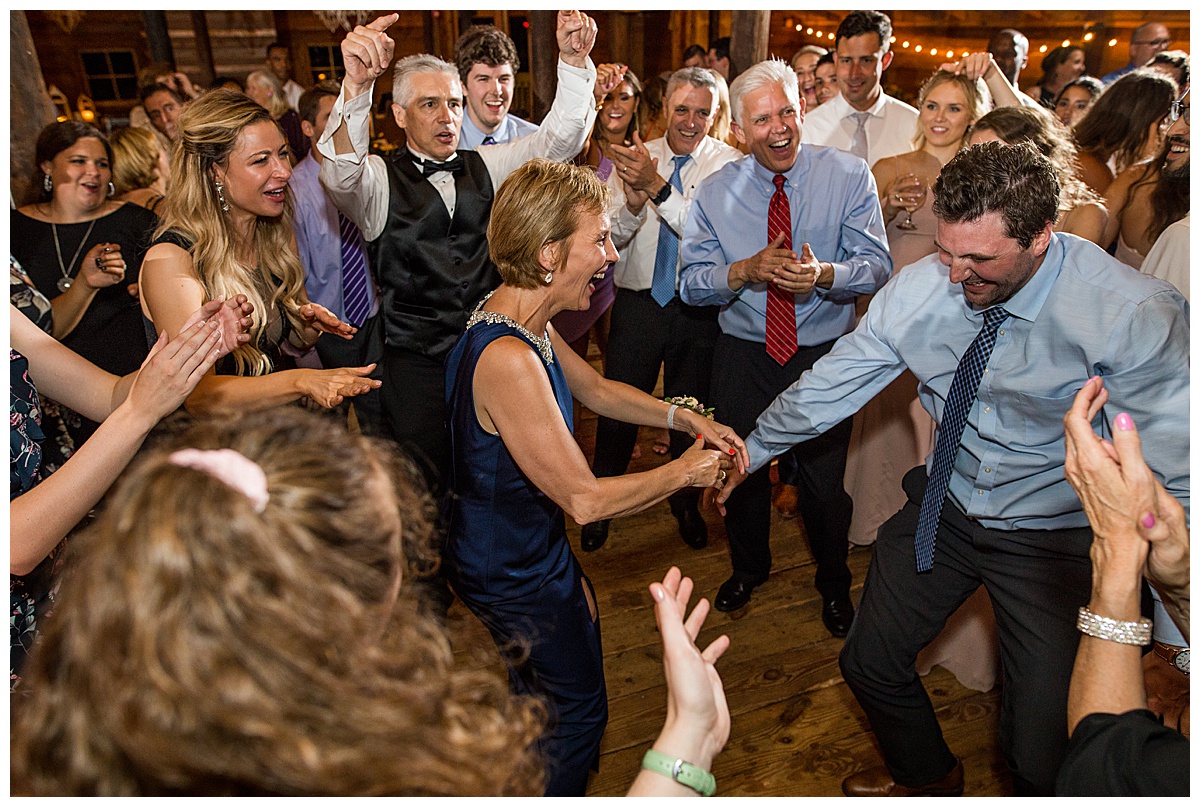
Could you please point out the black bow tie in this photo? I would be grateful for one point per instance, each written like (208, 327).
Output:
(455, 165)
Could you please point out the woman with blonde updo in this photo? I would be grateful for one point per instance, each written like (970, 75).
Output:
(141, 167)
(226, 230)
(264, 88)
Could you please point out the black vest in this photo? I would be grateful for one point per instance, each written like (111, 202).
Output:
(432, 271)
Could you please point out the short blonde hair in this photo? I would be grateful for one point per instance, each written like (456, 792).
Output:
(135, 159)
(539, 204)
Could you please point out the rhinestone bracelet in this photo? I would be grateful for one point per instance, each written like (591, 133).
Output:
(1113, 630)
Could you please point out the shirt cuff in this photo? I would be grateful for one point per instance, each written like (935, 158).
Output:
(759, 456)
(355, 113)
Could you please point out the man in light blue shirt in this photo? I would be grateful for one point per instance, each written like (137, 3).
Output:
(487, 62)
(319, 235)
(802, 276)
(1010, 521)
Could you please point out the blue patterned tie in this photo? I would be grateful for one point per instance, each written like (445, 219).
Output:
(949, 433)
(356, 280)
(666, 259)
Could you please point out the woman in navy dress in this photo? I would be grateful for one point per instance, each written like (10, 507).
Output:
(517, 466)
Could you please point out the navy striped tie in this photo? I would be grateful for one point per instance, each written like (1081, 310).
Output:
(356, 280)
(959, 401)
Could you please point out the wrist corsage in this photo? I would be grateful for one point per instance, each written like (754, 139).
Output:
(687, 402)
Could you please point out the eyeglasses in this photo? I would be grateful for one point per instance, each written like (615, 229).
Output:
(1158, 43)
(1180, 109)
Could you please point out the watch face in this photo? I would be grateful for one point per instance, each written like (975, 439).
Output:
(1183, 661)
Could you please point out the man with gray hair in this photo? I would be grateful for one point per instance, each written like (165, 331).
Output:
(783, 240)
(423, 212)
(1002, 327)
(651, 327)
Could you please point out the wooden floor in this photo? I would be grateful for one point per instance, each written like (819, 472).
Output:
(796, 728)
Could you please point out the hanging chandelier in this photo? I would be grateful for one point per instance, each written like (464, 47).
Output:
(66, 20)
(342, 19)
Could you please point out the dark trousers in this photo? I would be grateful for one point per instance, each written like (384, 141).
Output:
(744, 383)
(414, 409)
(365, 347)
(1037, 580)
(642, 338)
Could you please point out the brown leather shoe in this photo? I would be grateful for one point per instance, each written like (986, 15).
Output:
(878, 782)
(786, 500)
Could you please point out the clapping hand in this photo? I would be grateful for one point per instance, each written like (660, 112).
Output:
(322, 320)
(233, 321)
(761, 267)
(576, 35)
(635, 165)
(798, 277)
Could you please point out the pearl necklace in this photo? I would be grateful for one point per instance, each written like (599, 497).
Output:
(542, 343)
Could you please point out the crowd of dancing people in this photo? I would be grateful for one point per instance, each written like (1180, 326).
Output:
(278, 399)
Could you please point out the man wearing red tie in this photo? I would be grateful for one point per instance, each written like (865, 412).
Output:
(786, 286)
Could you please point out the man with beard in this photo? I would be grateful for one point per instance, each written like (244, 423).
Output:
(1001, 327)
(1169, 258)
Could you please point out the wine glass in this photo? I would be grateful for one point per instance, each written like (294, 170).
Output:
(916, 193)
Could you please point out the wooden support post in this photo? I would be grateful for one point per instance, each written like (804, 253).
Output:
(30, 109)
(158, 37)
(204, 54)
(543, 60)
(748, 39)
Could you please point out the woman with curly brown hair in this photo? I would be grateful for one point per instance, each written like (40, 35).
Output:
(239, 622)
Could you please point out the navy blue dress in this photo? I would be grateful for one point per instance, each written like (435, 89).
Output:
(508, 558)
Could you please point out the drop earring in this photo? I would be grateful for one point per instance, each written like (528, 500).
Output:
(47, 183)
(221, 197)
(112, 189)
(549, 276)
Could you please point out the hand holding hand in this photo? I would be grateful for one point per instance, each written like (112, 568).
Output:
(366, 53)
(697, 724)
(761, 266)
(321, 319)
(576, 35)
(102, 266)
(705, 467)
(735, 478)
(974, 66)
(328, 388)
(717, 435)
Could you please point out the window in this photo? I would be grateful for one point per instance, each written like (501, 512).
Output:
(111, 75)
(326, 62)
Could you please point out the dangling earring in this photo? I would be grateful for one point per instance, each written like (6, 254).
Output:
(112, 189)
(47, 183)
(549, 276)
(221, 197)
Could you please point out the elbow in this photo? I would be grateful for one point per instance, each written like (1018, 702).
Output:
(585, 507)
(19, 567)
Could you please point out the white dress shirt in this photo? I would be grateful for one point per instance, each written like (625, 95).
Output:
(292, 92)
(635, 270)
(890, 129)
(358, 181)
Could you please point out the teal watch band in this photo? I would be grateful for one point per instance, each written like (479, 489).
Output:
(685, 773)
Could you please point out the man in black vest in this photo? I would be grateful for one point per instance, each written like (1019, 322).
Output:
(424, 210)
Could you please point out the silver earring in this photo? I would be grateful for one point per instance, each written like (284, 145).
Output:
(549, 276)
(47, 183)
(221, 197)
(112, 189)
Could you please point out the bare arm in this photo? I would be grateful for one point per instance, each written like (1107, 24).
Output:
(1116, 196)
(526, 417)
(99, 269)
(171, 291)
(1089, 220)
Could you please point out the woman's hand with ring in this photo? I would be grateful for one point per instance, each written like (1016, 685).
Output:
(103, 266)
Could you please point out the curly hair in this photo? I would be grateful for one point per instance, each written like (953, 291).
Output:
(484, 44)
(1118, 124)
(135, 159)
(210, 129)
(202, 647)
(1036, 126)
(979, 100)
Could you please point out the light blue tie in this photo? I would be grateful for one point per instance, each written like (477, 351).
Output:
(666, 259)
(959, 400)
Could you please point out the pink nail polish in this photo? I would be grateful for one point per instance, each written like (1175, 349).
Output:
(1124, 422)
(1148, 521)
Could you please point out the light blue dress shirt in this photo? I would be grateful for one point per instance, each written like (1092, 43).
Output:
(834, 208)
(510, 128)
(319, 239)
(1081, 314)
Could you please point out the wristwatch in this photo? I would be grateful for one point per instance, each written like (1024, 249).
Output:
(685, 773)
(663, 195)
(1178, 657)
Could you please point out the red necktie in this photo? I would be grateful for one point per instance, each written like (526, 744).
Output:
(781, 305)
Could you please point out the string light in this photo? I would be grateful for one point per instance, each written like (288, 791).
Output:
(808, 31)
(904, 44)
(831, 35)
(1066, 43)
(949, 54)
(798, 27)
(893, 39)
(1112, 43)
(820, 34)
(1088, 36)
(1042, 49)
(917, 48)
(933, 51)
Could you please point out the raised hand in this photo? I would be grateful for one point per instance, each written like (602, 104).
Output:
(608, 77)
(321, 319)
(366, 53)
(974, 66)
(635, 165)
(576, 35)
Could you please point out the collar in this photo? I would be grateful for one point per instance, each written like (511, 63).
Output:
(792, 177)
(1027, 303)
(844, 110)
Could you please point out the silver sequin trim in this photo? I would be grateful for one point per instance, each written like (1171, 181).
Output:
(542, 343)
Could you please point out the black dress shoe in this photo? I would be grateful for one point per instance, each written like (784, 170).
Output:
(838, 614)
(692, 528)
(734, 593)
(593, 535)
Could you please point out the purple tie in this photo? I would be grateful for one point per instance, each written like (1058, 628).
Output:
(356, 280)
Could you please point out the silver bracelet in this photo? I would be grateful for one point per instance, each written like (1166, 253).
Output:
(671, 416)
(1113, 630)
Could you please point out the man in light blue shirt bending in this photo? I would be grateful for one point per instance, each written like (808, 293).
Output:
(1001, 328)
(783, 241)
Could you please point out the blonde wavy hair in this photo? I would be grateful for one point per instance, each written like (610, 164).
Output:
(201, 647)
(135, 159)
(209, 130)
(979, 101)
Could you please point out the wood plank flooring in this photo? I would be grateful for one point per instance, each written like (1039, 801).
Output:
(796, 728)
